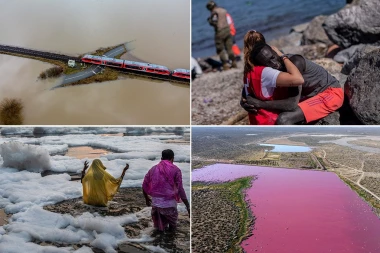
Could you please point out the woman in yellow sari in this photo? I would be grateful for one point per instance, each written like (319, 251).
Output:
(99, 186)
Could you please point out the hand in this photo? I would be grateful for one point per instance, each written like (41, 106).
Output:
(85, 166)
(254, 102)
(148, 201)
(278, 52)
(249, 108)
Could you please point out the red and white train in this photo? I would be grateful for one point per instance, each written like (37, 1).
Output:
(133, 65)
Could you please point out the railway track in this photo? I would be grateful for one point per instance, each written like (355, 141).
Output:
(65, 58)
(153, 76)
(37, 53)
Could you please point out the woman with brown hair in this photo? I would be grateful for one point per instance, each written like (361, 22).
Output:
(267, 72)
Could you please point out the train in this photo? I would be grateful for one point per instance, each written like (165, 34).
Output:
(138, 66)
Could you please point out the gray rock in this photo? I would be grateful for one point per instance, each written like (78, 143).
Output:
(363, 89)
(331, 119)
(314, 33)
(292, 39)
(355, 24)
(299, 28)
(311, 52)
(356, 54)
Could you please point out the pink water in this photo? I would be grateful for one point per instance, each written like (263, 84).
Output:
(301, 211)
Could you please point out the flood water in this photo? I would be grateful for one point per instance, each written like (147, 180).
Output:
(162, 33)
(301, 211)
(287, 148)
(86, 152)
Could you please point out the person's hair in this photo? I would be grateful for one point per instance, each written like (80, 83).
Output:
(251, 39)
(167, 154)
(211, 5)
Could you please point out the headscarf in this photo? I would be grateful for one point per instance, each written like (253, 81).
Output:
(99, 186)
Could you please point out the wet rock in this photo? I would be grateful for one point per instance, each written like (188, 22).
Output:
(299, 28)
(355, 53)
(314, 33)
(355, 24)
(293, 39)
(363, 88)
(311, 52)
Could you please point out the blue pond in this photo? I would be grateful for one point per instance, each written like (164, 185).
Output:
(287, 148)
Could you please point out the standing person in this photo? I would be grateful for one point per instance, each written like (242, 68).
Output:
(223, 37)
(235, 47)
(99, 186)
(163, 183)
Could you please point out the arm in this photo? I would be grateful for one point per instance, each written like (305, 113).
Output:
(181, 191)
(288, 104)
(124, 170)
(292, 77)
(84, 170)
(148, 201)
(213, 19)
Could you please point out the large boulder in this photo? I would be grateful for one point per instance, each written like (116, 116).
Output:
(355, 24)
(314, 33)
(292, 39)
(363, 88)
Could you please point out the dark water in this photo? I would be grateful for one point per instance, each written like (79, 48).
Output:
(301, 211)
(272, 18)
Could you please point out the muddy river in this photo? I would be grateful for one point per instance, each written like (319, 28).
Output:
(301, 211)
(162, 34)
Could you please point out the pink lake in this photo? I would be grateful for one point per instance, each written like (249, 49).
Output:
(301, 211)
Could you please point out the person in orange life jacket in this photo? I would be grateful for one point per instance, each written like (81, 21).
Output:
(319, 92)
(223, 37)
(235, 47)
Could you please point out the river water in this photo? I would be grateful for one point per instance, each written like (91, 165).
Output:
(301, 211)
(272, 18)
(162, 33)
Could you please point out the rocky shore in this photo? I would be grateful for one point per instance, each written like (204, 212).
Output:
(128, 201)
(347, 44)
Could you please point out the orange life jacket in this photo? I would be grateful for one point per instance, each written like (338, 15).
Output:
(230, 21)
(253, 85)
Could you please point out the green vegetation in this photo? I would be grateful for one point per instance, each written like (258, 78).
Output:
(364, 195)
(223, 206)
(197, 164)
(107, 75)
(52, 72)
(11, 111)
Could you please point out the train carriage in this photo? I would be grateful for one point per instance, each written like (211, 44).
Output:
(146, 67)
(181, 73)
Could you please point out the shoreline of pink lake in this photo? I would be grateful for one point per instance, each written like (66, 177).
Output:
(301, 211)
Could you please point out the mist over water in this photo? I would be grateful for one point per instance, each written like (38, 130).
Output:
(161, 31)
(272, 18)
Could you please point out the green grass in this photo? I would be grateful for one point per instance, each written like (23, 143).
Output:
(11, 112)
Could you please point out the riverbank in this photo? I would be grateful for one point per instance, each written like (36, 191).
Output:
(221, 216)
(130, 201)
(328, 41)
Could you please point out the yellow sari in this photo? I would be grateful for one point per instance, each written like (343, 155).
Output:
(99, 186)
